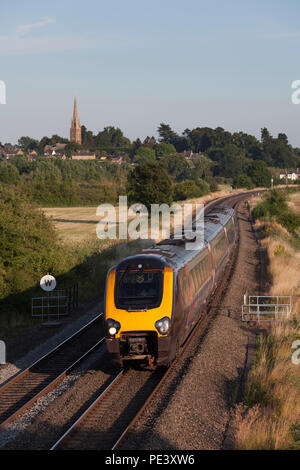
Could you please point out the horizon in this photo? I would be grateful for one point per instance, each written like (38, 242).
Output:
(134, 66)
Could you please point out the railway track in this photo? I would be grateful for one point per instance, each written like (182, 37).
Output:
(25, 388)
(110, 418)
(101, 425)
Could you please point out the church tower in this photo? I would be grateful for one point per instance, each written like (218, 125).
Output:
(75, 130)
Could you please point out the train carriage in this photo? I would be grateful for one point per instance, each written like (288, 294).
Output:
(154, 299)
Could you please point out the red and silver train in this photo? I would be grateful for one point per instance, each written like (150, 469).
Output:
(154, 299)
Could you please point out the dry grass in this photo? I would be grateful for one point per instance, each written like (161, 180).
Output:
(272, 406)
(294, 202)
(78, 224)
(74, 224)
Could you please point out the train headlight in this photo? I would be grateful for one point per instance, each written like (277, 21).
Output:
(112, 326)
(112, 331)
(163, 325)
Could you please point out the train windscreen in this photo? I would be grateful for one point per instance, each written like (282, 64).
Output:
(138, 289)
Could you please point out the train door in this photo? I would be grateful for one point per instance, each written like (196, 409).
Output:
(212, 266)
(187, 301)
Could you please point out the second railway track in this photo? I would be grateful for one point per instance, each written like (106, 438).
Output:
(20, 392)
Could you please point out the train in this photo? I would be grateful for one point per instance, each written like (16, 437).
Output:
(154, 299)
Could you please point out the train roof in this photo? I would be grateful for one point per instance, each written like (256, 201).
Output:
(173, 251)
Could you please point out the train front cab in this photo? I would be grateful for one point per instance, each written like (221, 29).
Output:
(139, 313)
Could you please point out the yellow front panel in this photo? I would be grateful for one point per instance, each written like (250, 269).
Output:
(140, 321)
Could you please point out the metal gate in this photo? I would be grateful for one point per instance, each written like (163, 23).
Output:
(56, 303)
(266, 308)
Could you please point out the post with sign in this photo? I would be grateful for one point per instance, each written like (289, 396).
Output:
(48, 284)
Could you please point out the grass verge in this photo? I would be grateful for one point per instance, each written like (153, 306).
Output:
(269, 417)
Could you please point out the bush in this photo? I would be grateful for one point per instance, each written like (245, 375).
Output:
(8, 173)
(189, 189)
(243, 181)
(213, 185)
(289, 220)
(275, 205)
(28, 249)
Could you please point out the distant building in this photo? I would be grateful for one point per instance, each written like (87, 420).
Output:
(75, 130)
(55, 154)
(32, 155)
(290, 175)
(58, 146)
(189, 154)
(11, 152)
(83, 155)
(118, 160)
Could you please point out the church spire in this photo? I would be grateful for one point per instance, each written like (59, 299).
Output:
(75, 130)
(75, 112)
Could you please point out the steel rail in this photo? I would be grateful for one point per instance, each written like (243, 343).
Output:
(234, 200)
(21, 379)
(23, 374)
(190, 338)
(77, 423)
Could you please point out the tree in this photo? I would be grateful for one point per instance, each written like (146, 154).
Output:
(283, 139)
(136, 144)
(202, 167)
(144, 155)
(148, 184)
(149, 142)
(164, 149)
(8, 173)
(29, 245)
(231, 162)
(28, 144)
(111, 137)
(267, 141)
(200, 139)
(43, 142)
(243, 181)
(177, 167)
(259, 174)
(166, 134)
(70, 148)
(55, 139)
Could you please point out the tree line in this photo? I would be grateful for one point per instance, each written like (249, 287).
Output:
(216, 157)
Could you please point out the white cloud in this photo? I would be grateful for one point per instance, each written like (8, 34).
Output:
(21, 42)
(25, 28)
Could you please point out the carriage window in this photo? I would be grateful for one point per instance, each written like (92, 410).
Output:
(184, 288)
(220, 248)
(199, 274)
(207, 269)
(230, 231)
(139, 289)
(195, 280)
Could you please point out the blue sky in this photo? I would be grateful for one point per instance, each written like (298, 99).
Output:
(134, 64)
